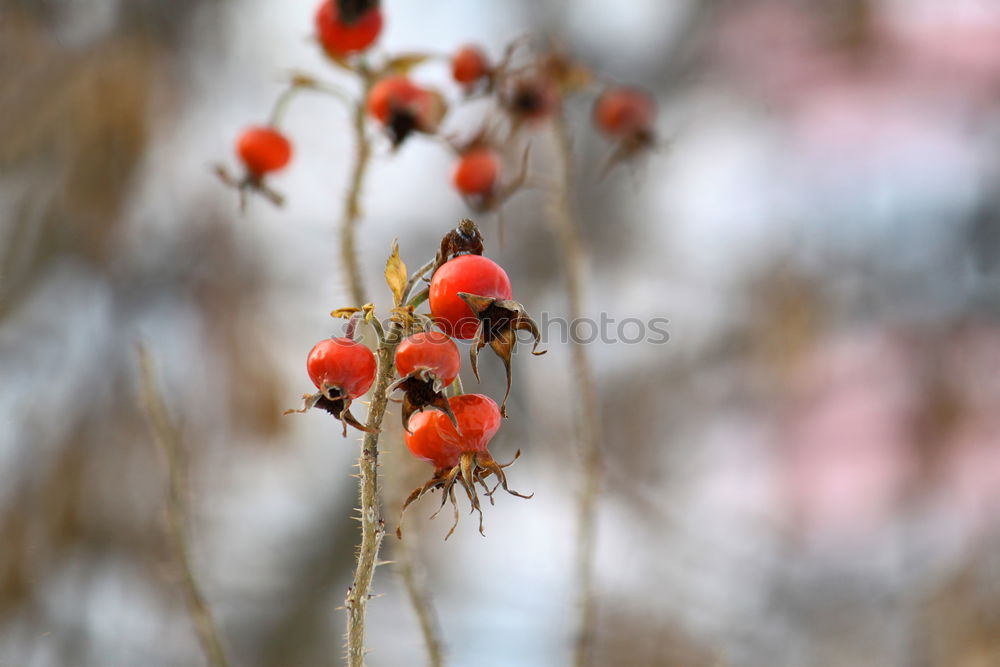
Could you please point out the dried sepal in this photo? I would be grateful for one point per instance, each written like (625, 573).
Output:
(351, 11)
(629, 148)
(422, 390)
(249, 183)
(568, 74)
(499, 322)
(336, 403)
(473, 468)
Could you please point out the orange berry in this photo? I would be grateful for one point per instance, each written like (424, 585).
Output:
(340, 34)
(476, 172)
(624, 112)
(263, 150)
(469, 65)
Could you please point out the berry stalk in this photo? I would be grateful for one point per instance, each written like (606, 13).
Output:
(352, 202)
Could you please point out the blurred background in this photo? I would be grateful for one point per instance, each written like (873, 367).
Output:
(807, 473)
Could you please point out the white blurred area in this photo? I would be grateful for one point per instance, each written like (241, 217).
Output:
(807, 473)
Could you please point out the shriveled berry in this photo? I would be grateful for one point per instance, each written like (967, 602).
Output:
(530, 98)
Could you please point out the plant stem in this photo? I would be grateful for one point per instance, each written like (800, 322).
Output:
(168, 439)
(372, 524)
(588, 408)
(352, 203)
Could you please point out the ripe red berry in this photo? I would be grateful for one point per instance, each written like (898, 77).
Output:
(433, 437)
(624, 112)
(469, 65)
(459, 455)
(476, 172)
(263, 150)
(342, 34)
(432, 351)
(403, 107)
(342, 363)
(471, 274)
(393, 92)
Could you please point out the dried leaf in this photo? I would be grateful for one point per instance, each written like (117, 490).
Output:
(344, 313)
(403, 63)
(395, 275)
(369, 310)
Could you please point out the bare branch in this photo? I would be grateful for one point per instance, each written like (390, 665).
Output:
(169, 441)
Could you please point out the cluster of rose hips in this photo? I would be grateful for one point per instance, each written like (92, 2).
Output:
(470, 299)
(526, 86)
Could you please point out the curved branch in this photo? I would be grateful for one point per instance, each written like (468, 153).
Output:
(588, 410)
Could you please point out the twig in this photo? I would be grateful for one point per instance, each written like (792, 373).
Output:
(168, 439)
(372, 524)
(588, 408)
(352, 203)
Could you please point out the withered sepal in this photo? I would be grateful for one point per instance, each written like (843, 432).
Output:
(473, 468)
(422, 389)
(499, 322)
(334, 401)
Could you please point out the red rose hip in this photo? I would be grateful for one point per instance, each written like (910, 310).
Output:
(342, 34)
(476, 172)
(469, 65)
(263, 150)
(624, 112)
(432, 351)
(433, 437)
(342, 363)
(470, 274)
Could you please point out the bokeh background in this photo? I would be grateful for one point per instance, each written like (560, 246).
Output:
(807, 473)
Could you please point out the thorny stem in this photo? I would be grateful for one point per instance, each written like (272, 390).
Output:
(352, 203)
(588, 415)
(168, 439)
(372, 524)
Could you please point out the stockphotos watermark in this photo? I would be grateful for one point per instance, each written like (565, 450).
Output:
(605, 330)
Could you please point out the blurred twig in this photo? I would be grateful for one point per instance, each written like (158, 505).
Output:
(352, 203)
(168, 439)
(588, 408)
